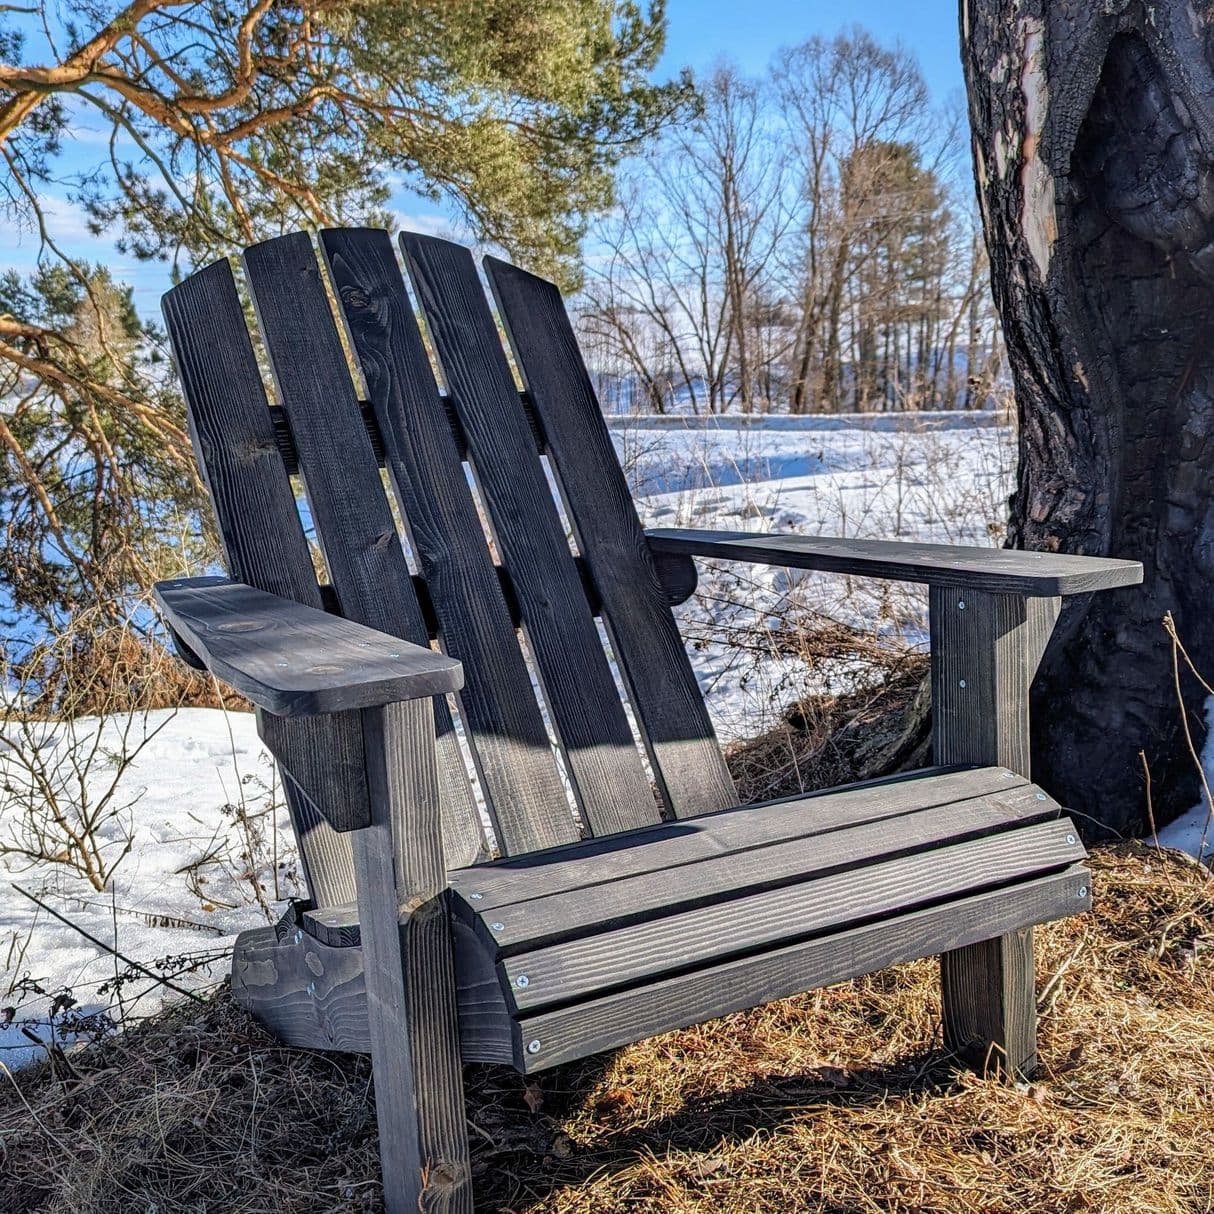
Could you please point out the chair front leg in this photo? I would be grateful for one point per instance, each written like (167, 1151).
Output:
(985, 651)
(410, 974)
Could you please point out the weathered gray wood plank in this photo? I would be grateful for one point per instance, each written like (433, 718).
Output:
(581, 912)
(313, 995)
(601, 757)
(997, 570)
(354, 523)
(985, 652)
(632, 955)
(409, 970)
(292, 660)
(664, 848)
(264, 545)
(661, 685)
(525, 796)
(550, 1038)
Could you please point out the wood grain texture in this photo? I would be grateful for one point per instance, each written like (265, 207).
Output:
(997, 570)
(661, 685)
(632, 1015)
(580, 912)
(630, 956)
(409, 970)
(264, 545)
(601, 758)
(525, 796)
(985, 651)
(354, 523)
(665, 848)
(292, 660)
(314, 995)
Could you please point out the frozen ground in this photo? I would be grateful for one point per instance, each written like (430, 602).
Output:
(199, 840)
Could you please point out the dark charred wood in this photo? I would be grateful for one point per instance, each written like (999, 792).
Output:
(1094, 153)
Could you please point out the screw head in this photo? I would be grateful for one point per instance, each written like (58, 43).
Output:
(477, 897)
(497, 927)
(533, 1047)
(1041, 796)
(961, 684)
(1070, 839)
(961, 605)
(312, 988)
(298, 936)
(394, 655)
(522, 981)
(1083, 891)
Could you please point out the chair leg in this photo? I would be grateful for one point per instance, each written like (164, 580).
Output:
(410, 974)
(990, 1005)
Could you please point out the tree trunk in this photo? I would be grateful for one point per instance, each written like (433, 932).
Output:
(1094, 153)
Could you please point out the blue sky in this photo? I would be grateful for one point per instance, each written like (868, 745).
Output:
(700, 32)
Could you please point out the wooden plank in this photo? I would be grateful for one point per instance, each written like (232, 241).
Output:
(313, 995)
(292, 660)
(264, 545)
(661, 685)
(997, 570)
(601, 757)
(985, 651)
(629, 956)
(582, 912)
(663, 848)
(525, 795)
(553, 1037)
(409, 970)
(345, 491)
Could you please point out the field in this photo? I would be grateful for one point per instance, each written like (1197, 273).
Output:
(818, 1103)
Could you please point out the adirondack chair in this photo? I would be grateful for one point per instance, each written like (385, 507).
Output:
(624, 891)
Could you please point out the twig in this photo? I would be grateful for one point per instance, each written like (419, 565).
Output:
(109, 948)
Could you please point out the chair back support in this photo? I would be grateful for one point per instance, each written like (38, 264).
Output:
(516, 521)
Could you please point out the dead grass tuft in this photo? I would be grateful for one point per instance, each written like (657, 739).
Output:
(837, 1101)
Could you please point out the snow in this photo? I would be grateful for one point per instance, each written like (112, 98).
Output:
(195, 828)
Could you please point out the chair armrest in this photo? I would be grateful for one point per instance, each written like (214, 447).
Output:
(996, 570)
(292, 660)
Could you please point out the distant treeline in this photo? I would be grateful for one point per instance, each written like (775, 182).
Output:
(807, 243)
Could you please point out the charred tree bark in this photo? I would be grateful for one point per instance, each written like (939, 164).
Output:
(1093, 130)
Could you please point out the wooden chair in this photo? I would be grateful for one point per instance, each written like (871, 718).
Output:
(631, 895)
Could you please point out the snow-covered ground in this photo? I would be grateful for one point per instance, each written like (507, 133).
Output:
(196, 832)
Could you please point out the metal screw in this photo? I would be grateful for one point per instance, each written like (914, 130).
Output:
(477, 897)
(961, 605)
(1041, 796)
(1009, 775)
(522, 981)
(299, 937)
(962, 684)
(1083, 891)
(497, 927)
(1070, 838)
(312, 988)
(394, 655)
(533, 1047)
(280, 663)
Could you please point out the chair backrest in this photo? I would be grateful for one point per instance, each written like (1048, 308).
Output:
(548, 734)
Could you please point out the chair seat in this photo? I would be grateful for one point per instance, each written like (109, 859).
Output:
(588, 946)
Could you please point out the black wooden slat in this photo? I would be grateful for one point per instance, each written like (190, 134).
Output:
(601, 758)
(659, 679)
(670, 845)
(996, 570)
(293, 660)
(581, 912)
(264, 545)
(345, 492)
(594, 965)
(525, 794)
(601, 1024)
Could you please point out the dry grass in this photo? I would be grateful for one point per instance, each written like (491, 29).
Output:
(836, 1101)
